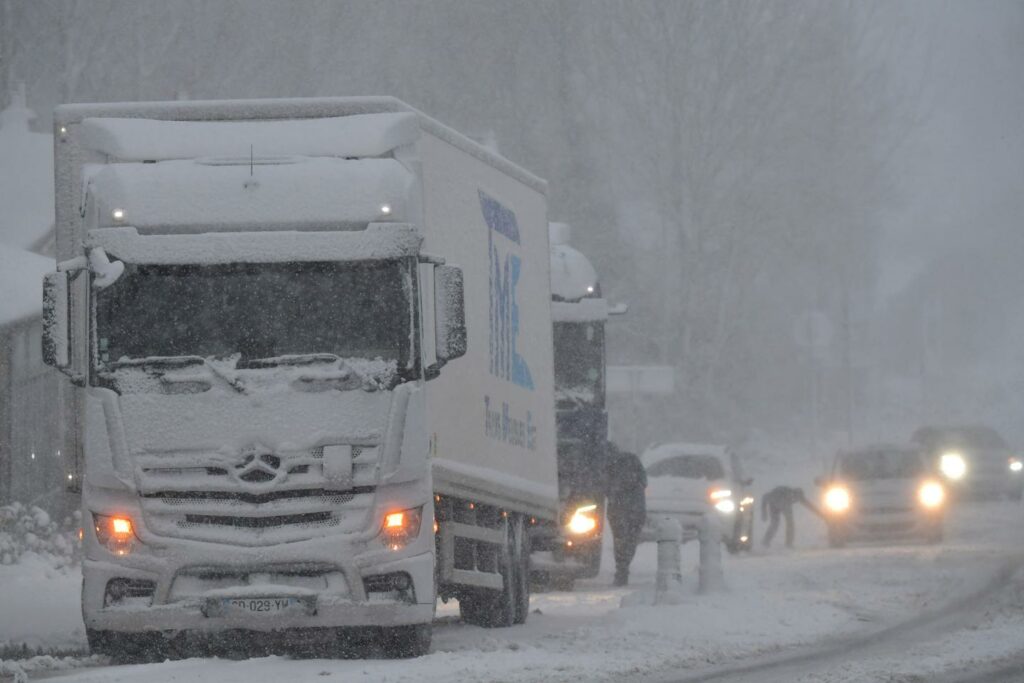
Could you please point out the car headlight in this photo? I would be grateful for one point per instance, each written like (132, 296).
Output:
(837, 499)
(721, 499)
(583, 521)
(1016, 465)
(931, 494)
(953, 465)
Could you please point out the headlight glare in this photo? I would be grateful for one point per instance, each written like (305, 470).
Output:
(837, 499)
(1016, 465)
(953, 465)
(931, 494)
(583, 521)
(725, 505)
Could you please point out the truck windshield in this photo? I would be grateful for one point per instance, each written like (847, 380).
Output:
(579, 363)
(257, 311)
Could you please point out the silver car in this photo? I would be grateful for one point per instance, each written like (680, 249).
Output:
(883, 492)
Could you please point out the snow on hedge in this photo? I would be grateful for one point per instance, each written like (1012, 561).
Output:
(26, 179)
(28, 529)
(21, 283)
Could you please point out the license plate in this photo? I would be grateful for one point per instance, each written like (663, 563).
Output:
(260, 605)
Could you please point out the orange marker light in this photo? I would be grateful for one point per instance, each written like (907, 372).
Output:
(121, 526)
(396, 520)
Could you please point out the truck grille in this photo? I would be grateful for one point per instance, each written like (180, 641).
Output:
(258, 499)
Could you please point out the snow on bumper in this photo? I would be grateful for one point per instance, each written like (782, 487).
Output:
(346, 596)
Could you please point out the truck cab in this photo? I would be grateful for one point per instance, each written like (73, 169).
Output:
(579, 314)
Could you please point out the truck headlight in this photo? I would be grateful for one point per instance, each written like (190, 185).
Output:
(583, 521)
(837, 499)
(116, 533)
(953, 465)
(725, 505)
(1016, 465)
(401, 527)
(931, 494)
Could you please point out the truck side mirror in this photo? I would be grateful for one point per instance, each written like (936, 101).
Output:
(450, 313)
(56, 325)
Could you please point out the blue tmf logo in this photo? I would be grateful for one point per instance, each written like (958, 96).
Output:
(505, 268)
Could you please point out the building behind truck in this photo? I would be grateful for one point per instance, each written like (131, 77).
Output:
(311, 346)
(579, 313)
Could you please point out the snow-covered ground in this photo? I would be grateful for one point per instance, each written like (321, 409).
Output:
(773, 601)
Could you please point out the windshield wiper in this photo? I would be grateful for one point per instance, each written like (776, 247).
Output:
(182, 362)
(290, 359)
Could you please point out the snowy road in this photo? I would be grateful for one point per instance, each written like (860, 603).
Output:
(916, 650)
(834, 609)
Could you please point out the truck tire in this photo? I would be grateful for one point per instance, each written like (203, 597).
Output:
(591, 560)
(494, 609)
(405, 642)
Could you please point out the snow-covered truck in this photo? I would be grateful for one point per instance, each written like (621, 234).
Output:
(579, 312)
(311, 341)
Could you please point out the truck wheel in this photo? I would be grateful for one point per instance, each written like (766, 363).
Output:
(404, 642)
(521, 564)
(591, 559)
(494, 609)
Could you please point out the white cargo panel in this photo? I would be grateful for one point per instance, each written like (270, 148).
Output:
(491, 412)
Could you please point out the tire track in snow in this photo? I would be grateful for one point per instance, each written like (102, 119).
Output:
(785, 667)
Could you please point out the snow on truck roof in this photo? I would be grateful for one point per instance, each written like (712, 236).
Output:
(288, 193)
(361, 135)
(572, 275)
(367, 134)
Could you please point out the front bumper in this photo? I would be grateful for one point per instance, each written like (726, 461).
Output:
(881, 525)
(332, 581)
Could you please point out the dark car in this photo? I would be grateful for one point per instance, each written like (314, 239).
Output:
(975, 461)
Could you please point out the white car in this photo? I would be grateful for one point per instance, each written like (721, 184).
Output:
(686, 481)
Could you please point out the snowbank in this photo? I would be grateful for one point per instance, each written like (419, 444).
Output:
(21, 282)
(26, 179)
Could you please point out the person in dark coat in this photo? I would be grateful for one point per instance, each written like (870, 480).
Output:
(778, 503)
(627, 507)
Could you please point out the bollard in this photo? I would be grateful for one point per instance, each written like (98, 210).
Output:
(710, 575)
(669, 536)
